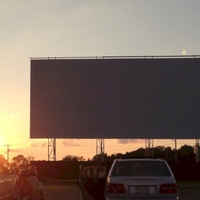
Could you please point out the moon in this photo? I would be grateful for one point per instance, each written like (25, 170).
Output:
(184, 52)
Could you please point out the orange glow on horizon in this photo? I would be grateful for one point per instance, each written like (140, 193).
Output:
(9, 128)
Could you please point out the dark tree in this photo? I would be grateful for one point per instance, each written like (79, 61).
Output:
(186, 154)
(73, 158)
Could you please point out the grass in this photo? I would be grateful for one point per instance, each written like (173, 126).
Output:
(189, 184)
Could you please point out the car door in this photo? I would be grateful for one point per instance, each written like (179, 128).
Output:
(92, 179)
(3, 189)
(7, 183)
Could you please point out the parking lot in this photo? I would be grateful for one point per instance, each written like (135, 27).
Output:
(62, 190)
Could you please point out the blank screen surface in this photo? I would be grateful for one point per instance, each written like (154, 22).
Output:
(115, 98)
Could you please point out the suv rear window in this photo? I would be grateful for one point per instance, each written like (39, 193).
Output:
(140, 168)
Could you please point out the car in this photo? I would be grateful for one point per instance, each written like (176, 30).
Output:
(140, 179)
(8, 184)
(92, 178)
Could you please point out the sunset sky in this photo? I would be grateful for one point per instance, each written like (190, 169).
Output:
(74, 28)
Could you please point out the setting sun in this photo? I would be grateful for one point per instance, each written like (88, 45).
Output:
(9, 128)
(2, 141)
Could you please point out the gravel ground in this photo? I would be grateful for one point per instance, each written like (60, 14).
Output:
(189, 194)
(189, 190)
(63, 190)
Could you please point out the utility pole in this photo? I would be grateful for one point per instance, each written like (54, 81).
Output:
(8, 151)
(149, 145)
(197, 150)
(175, 150)
(52, 149)
(100, 148)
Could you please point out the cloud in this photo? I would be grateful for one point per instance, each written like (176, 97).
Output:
(126, 141)
(70, 143)
(15, 150)
(38, 144)
(15, 115)
(82, 12)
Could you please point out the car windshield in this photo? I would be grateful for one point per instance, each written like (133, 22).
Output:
(140, 168)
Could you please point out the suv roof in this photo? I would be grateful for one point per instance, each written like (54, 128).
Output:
(139, 158)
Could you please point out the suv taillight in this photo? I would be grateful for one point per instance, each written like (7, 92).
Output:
(116, 188)
(170, 188)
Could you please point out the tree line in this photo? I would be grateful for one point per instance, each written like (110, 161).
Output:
(185, 153)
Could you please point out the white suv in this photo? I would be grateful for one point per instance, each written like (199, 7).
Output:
(140, 179)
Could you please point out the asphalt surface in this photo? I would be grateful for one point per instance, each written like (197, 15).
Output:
(61, 190)
(64, 190)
